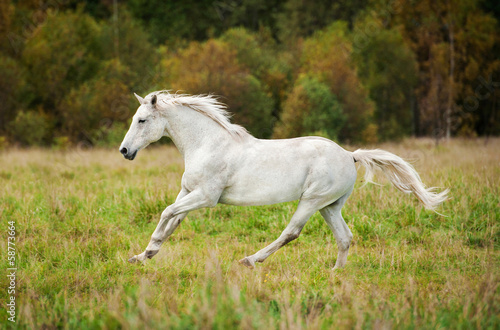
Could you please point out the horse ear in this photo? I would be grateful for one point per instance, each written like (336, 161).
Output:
(140, 99)
(153, 100)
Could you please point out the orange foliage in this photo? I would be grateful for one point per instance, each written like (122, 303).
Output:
(327, 56)
(212, 67)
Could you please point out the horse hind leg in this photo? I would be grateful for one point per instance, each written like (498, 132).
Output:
(304, 211)
(333, 217)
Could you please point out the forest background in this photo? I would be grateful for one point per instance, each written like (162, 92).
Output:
(354, 71)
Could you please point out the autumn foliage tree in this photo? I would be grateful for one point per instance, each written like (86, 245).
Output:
(213, 67)
(87, 77)
(355, 71)
(310, 109)
(326, 57)
(454, 46)
(87, 114)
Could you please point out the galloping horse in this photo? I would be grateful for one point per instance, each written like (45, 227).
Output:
(225, 164)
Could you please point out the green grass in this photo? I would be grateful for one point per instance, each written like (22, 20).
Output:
(81, 214)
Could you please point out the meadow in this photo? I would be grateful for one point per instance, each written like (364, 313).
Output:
(80, 214)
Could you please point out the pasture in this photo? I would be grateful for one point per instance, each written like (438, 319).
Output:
(80, 214)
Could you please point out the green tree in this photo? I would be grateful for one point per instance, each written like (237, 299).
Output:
(81, 69)
(253, 15)
(169, 21)
(130, 43)
(327, 57)
(99, 9)
(90, 111)
(6, 10)
(255, 52)
(30, 128)
(310, 109)
(60, 55)
(259, 53)
(388, 69)
(11, 89)
(300, 18)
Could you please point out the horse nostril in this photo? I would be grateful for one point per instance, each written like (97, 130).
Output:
(123, 151)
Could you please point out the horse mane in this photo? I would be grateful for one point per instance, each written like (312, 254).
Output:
(206, 104)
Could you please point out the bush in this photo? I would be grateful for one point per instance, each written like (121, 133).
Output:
(4, 144)
(90, 110)
(61, 54)
(30, 128)
(111, 136)
(61, 143)
(11, 84)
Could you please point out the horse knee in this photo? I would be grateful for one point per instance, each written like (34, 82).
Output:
(344, 244)
(349, 236)
(156, 238)
(166, 214)
(288, 237)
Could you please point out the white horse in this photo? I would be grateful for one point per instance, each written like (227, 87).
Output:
(225, 164)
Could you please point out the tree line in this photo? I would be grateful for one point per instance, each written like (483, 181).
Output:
(356, 71)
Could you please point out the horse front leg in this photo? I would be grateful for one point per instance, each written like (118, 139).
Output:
(166, 226)
(159, 236)
(170, 219)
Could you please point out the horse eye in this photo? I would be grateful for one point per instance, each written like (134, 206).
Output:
(142, 121)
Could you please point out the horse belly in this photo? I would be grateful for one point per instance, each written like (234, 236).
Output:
(265, 188)
(276, 171)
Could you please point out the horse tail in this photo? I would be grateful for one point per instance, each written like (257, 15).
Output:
(401, 174)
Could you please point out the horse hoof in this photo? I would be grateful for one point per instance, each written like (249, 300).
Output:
(132, 260)
(247, 263)
(337, 268)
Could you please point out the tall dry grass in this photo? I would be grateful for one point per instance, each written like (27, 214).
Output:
(80, 214)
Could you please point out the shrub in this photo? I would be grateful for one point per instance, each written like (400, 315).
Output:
(88, 111)
(30, 128)
(11, 83)
(111, 136)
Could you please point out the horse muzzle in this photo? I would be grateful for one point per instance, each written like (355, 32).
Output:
(127, 154)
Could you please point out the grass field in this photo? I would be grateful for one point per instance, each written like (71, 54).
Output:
(79, 215)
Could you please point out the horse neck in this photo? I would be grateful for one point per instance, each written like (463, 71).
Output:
(191, 130)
